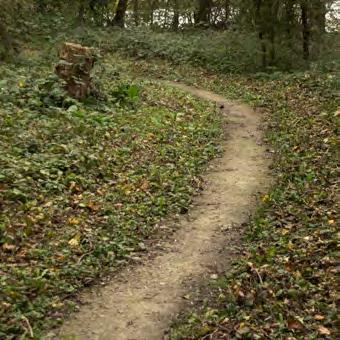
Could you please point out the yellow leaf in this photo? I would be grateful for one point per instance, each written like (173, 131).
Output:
(73, 242)
(331, 221)
(265, 198)
(290, 245)
(73, 220)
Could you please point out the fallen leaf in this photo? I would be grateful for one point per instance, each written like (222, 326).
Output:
(265, 198)
(319, 317)
(74, 242)
(92, 206)
(73, 220)
(8, 247)
(294, 324)
(324, 331)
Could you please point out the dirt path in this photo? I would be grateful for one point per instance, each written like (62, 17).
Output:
(141, 301)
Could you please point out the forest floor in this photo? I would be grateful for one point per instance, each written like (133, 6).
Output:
(87, 190)
(141, 301)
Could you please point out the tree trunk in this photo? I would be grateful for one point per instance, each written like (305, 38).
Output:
(259, 27)
(119, 19)
(136, 12)
(5, 38)
(305, 29)
(175, 20)
(227, 10)
(289, 20)
(319, 12)
(263, 50)
(274, 10)
(81, 13)
(318, 24)
(272, 51)
(204, 11)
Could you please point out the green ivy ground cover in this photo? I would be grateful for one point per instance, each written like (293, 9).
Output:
(83, 184)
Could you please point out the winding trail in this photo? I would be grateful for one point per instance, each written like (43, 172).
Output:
(141, 301)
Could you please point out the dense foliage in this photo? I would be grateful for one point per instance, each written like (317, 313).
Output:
(222, 51)
(290, 31)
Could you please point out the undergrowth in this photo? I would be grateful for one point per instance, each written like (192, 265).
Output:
(83, 184)
(230, 51)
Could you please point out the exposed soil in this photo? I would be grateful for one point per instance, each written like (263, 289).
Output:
(141, 301)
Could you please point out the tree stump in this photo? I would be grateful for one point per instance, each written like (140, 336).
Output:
(74, 67)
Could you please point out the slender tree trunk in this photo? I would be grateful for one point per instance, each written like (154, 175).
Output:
(305, 30)
(318, 24)
(119, 19)
(261, 35)
(289, 21)
(319, 12)
(5, 38)
(136, 12)
(227, 10)
(204, 11)
(81, 13)
(263, 50)
(175, 20)
(272, 51)
(274, 9)
(164, 18)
